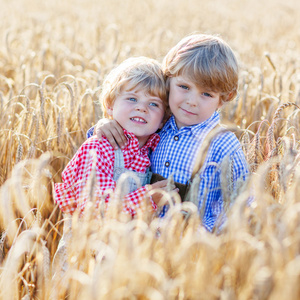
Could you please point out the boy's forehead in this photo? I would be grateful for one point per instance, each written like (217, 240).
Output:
(187, 77)
(134, 88)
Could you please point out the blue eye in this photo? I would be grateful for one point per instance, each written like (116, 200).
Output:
(184, 87)
(207, 95)
(153, 104)
(132, 99)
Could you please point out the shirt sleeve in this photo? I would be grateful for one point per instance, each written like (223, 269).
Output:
(90, 172)
(220, 183)
(87, 166)
(138, 201)
(90, 132)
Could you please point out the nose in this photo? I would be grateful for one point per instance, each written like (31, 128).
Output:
(141, 107)
(191, 100)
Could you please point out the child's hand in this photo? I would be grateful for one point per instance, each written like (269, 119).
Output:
(112, 130)
(161, 185)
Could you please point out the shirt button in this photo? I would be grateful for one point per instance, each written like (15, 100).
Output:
(167, 164)
(176, 138)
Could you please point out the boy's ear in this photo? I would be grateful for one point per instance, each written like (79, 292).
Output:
(228, 97)
(225, 99)
(110, 111)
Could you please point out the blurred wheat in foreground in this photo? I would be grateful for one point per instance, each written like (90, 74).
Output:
(53, 58)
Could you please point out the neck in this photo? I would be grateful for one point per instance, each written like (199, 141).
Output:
(142, 141)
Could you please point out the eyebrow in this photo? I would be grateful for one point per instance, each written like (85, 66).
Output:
(155, 98)
(181, 79)
(184, 81)
(129, 92)
(150, 96)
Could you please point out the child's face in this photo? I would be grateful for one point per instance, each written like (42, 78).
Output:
(138, 112)
(190, 104)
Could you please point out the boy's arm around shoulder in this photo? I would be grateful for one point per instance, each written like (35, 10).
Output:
(112, 130)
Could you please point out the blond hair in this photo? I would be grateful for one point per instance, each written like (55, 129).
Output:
(207, 61)
(134, 73)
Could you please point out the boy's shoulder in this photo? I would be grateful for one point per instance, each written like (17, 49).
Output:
(225, 143)
(94, 143)
(93, 140)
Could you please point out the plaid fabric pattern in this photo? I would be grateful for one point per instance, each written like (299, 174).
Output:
(95, 157)
(176, 153)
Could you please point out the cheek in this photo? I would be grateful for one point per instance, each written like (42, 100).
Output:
(159, 115)
(176, 97)
(121, 107)
(172, 100)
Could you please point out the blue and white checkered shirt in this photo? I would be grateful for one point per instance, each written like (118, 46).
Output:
(176, 154)
(90, 132)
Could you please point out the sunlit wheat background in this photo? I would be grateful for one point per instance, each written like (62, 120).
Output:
(53, 58)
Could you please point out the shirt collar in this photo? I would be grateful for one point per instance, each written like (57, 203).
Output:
(210, 123)
(133, 142)
(170, 125)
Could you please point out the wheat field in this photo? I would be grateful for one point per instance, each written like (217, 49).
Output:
(53, 58)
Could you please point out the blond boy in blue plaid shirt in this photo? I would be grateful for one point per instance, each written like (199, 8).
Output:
(202, 75)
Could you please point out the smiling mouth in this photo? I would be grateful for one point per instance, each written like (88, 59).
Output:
(187, 112)
(138, 120)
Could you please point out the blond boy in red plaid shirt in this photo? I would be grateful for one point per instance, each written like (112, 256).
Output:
(134, 95)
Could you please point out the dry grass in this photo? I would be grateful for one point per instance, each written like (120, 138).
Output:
(53, 57)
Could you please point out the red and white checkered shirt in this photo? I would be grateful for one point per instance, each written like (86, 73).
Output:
(99, 157)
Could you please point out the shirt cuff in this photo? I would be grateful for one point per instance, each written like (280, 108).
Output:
(153, 204)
